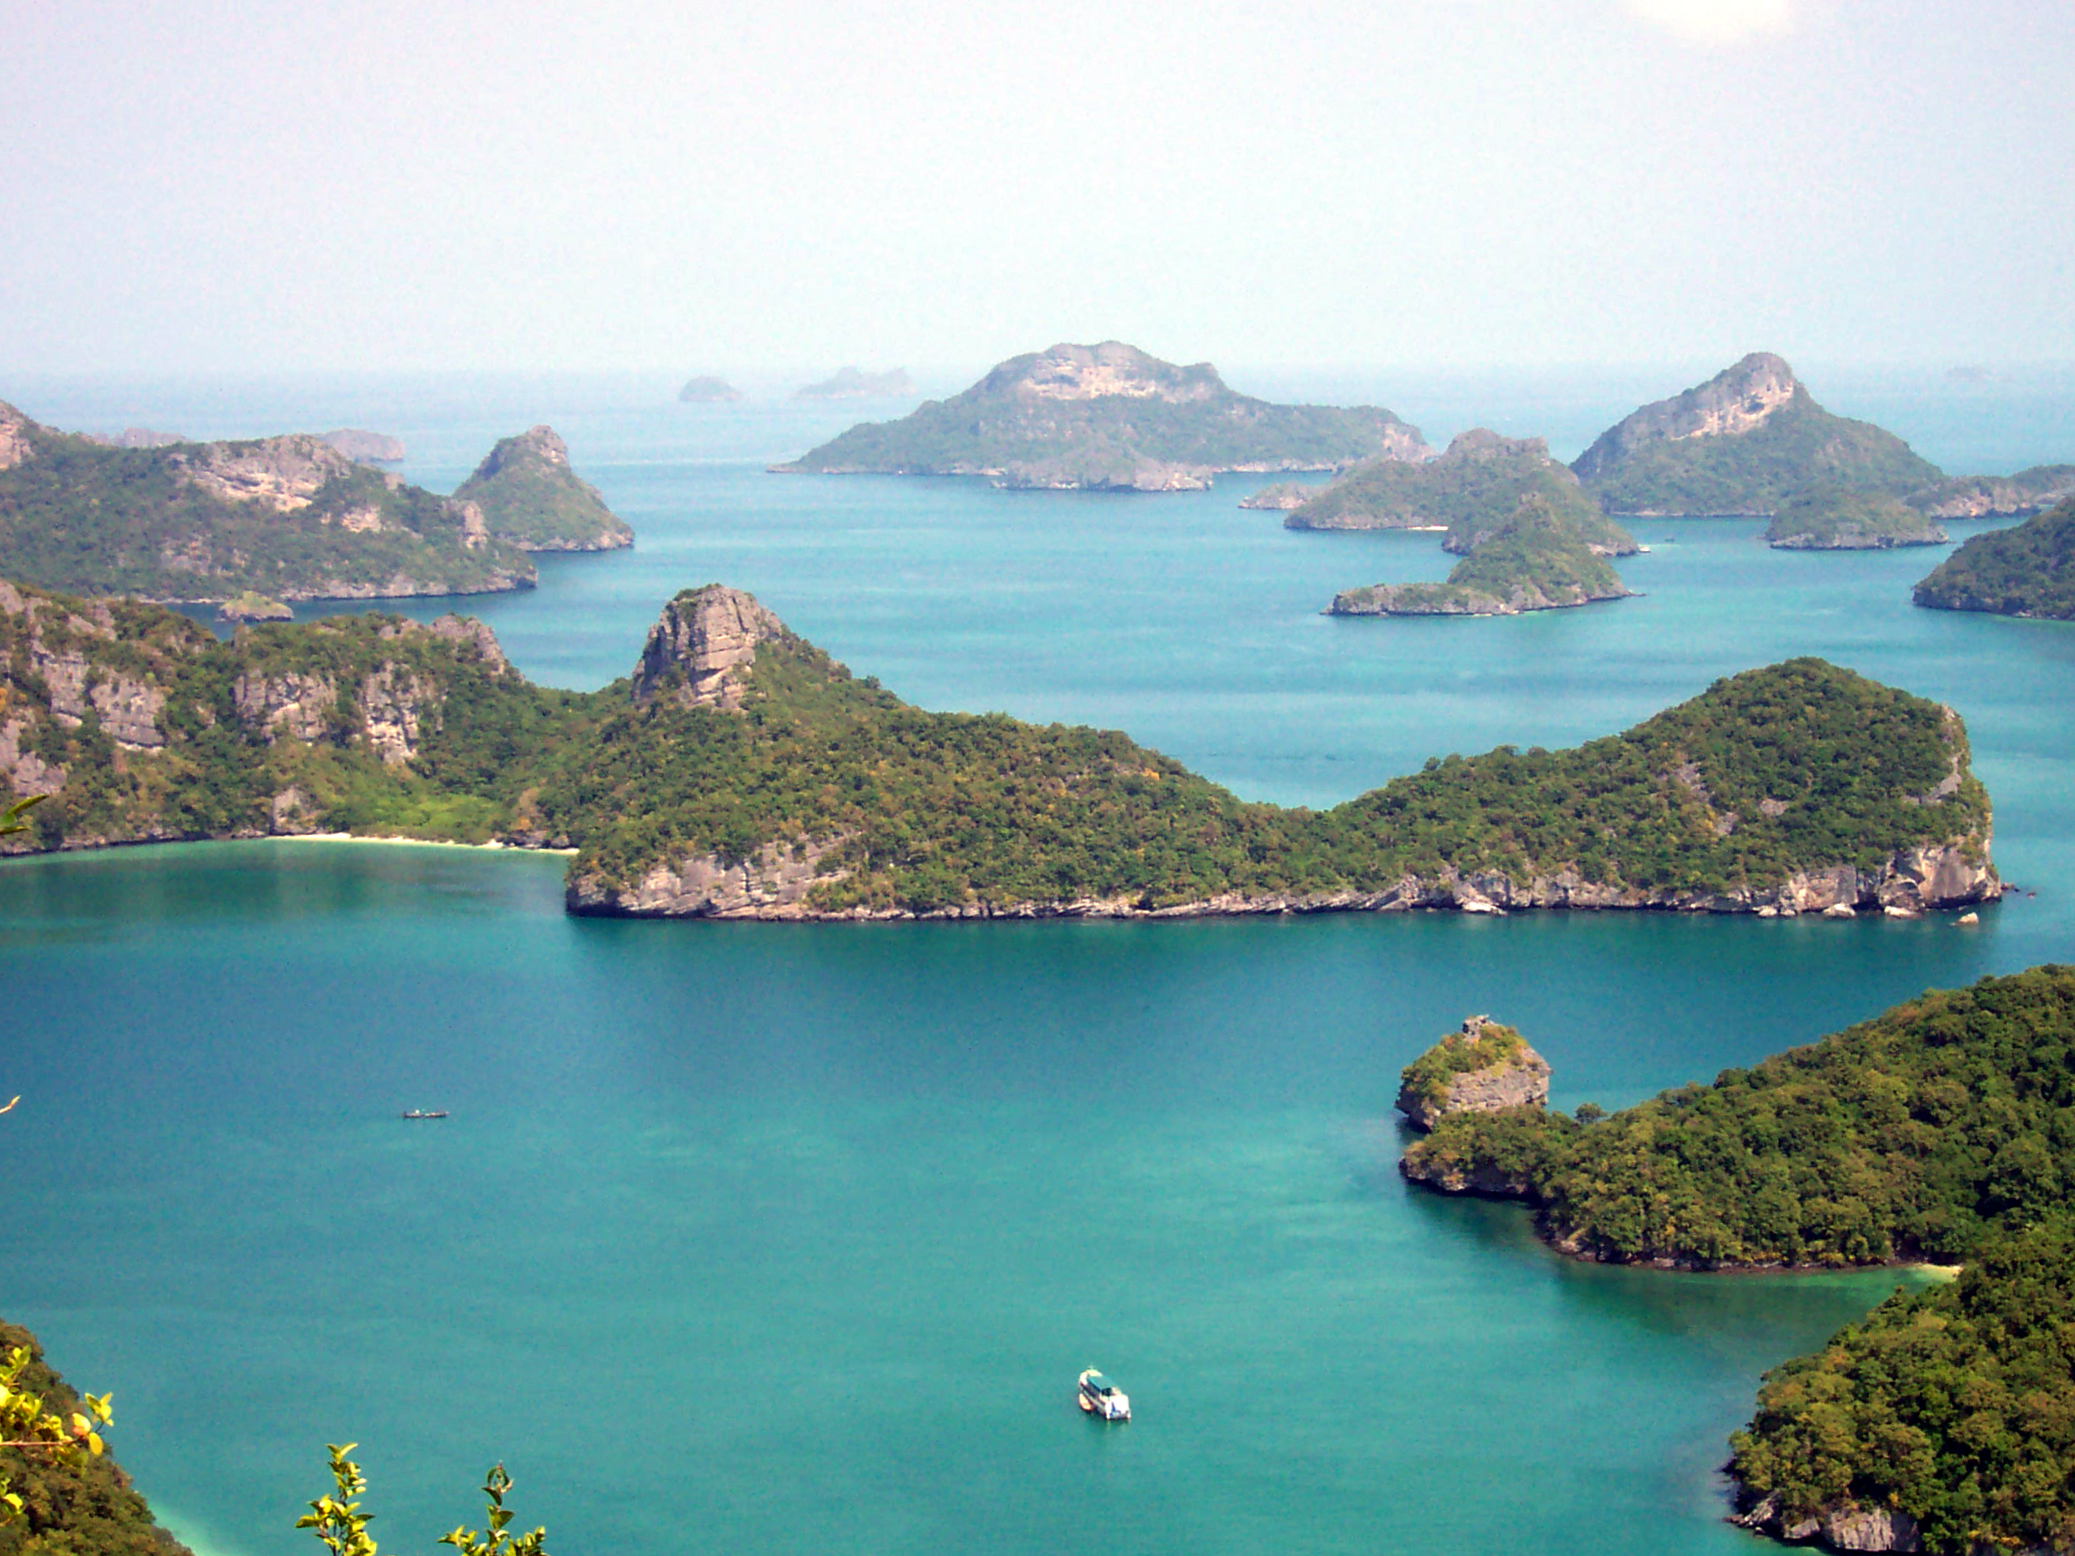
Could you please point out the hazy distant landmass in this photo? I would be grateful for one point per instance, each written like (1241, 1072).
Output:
(1110, 418)
(854, 383)
(1743, 443)
(742, 772)
(370, 448)
(1833, 520)
(1996, 496)
(1543, 556)
(530, 496)
(289, 517)
(708, 391)
(136, 437)
(2027, 570)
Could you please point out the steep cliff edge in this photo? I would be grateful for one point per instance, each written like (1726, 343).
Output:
(290, 517)
(1480, 1069)
(1744, 442)
(1110, 417)
(531, 497)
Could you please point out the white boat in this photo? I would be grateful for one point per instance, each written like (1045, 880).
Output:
(1100, 1397)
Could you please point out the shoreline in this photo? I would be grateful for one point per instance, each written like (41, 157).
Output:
(392, 840)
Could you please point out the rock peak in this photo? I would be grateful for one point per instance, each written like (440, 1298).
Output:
(699, 651)
(1109, 369)
(1739, 399)
(536, 445)
(14, 436)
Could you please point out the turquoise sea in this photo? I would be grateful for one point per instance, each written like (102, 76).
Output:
(792, 1238)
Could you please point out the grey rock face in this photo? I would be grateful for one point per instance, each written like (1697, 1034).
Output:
(770, 884)
(1519, 1080)
(698, 651)
(299, 706)
(14, 436)
(1735, 400)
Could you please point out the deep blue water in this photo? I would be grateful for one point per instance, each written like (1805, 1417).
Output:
(793, 1237)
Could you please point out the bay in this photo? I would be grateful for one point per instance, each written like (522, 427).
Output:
(794, 1236)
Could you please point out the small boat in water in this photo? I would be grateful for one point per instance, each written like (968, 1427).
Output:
(1100, 1397)
(422, 1113)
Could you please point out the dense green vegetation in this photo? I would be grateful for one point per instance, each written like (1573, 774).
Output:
(374, 724)
(1834, 519)
(1540, 557)
(1919, 1134)
(1185, 425)
(1954, 1406)
(79, 516)
(1427, 1078)
(1473, 490)
(2027, 570)
(531, 497)
(1976, 496)
(72, 1503)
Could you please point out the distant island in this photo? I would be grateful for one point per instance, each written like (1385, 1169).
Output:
(135, 437)
(1109, 418)
(854, 383)
(1743, 443)
(2027, 570)
(1545, 555)
(370, 448)
(1933, 1132)
(708, 391)
(741, 772)
(530, 497)
(289, 517)
(1996, 496)
(1832, 519)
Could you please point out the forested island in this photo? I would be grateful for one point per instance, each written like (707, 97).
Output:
(742, 772)
(1833, 519)
(291, 517)
(2027, 570)
(1743, 443)
(1542, 556)
(1937, 1131)
(1996, 496)
(529, 496)
(1110, 418)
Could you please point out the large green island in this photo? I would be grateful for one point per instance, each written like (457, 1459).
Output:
(1945, 1422)
(1110, 417)
(1545, 555)
(1746, 441)
(741, 772)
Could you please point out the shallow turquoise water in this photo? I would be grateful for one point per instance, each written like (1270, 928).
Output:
(793, 1237)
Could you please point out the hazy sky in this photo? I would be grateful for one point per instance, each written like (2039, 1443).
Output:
(694, 187)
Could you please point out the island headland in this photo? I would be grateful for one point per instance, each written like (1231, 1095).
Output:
(1545, 555)
(741, 772)
(2026, 570)
(530, 496)
(1741, 444)
(289, 517)
(1832, 519)
(1109, 417)
(1932, 1132)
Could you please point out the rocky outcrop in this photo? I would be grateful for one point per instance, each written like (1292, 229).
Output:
(392, 705)
(772, 883)
(1282, 497)
(700, 651)
(15, 445)
(1481, 1069)
(281, 473)
(475, 635)
(252, 606)
(1840, 1526)
(291, 704)
(369, 448)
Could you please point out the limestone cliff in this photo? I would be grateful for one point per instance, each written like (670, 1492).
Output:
(1481, 1069)
(699, 653)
